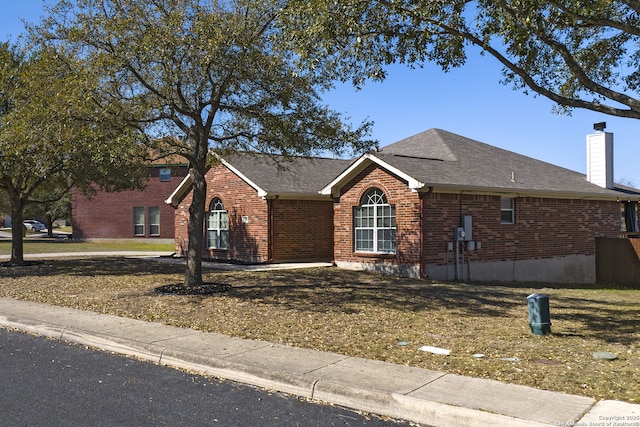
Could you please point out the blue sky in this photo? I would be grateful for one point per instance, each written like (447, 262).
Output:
(468, 101)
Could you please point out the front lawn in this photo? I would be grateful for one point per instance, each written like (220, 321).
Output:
(372, 316)
(45, 245)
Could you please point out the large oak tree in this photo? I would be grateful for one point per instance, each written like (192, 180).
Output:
(204, 75)
(578, 54)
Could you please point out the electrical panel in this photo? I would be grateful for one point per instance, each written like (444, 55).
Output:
(467, 224)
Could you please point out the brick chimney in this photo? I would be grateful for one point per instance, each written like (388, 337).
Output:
(600, 156)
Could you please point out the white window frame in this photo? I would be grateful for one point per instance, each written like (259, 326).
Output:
(374, 224)
(152, 224)
(217, 226)
(507, 210)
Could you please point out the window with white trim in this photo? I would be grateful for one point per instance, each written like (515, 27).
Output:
(138, 221)
(217, 226)
(374, 223)
(154, 220)
(507, 210)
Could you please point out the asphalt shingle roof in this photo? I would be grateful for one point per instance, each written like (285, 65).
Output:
(275, 174)
(436, 158)
(440, 158)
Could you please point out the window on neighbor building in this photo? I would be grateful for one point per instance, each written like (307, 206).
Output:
(507, 210)
(165, 174)
(138, 221)
(154, 221)
(375, 223)
(217, 226)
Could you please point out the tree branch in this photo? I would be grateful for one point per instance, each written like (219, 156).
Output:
(632, 112)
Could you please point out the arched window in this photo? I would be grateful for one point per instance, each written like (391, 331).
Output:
(217, 226)
(374, 223)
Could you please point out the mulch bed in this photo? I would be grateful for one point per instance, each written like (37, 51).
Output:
(204, 289)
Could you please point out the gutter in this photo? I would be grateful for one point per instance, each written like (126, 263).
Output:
(271, 231)
(613, 195)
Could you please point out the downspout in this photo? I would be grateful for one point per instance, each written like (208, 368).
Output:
(271, 232)
(423, 266)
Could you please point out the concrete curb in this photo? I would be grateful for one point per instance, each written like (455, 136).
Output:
(314, 388)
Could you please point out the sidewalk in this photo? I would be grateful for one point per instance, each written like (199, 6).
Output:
(37, 256)
(413, 394)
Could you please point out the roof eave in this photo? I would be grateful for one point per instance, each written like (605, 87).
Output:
(261, 192)
(185, 185)
(333, 188)
(270, 195)
(178, 194)
(523, 192)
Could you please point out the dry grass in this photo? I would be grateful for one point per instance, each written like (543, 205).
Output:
(43, 244)
(367, 315)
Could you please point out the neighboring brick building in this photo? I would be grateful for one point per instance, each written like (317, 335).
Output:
(133, 214)
(434, 205)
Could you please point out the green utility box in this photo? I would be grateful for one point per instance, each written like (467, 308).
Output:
(539, 317)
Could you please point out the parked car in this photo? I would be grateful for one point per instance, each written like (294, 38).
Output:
(32, 224)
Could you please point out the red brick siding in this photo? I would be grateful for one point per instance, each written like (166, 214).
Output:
(248, 241)
(301, 230)
(407, 205)
(110, 215)
(543, 227)
(181, 225)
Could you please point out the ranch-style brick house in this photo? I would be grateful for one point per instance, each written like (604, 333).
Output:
(263, 209)
(434, 205)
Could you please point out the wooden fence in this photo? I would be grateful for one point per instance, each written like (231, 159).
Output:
(618, 262)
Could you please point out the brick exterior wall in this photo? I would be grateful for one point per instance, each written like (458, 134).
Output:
(302, 229)
(407, 218)
(181, 225)
(110, 215)
(544, 228)
(248, 241)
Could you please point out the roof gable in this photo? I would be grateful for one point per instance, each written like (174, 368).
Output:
(356, 167)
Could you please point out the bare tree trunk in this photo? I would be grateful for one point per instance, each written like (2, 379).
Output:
(49, 224)
(17, 230)
(193, 274)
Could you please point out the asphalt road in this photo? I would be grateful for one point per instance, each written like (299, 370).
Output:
(46, 382)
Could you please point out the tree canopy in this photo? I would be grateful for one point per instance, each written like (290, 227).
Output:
(578, 54)
(53, 137)
(204, 75)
